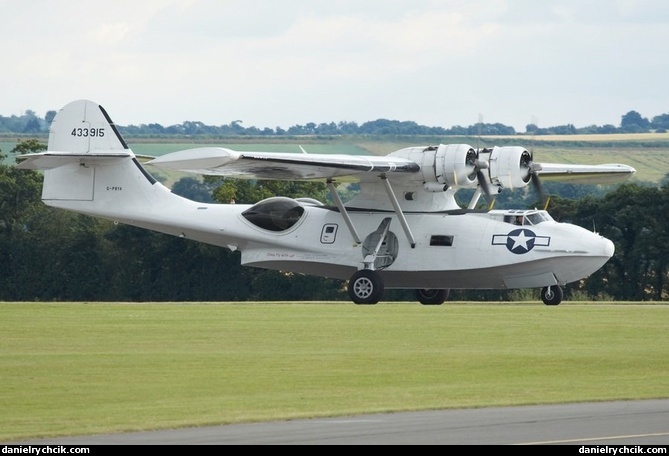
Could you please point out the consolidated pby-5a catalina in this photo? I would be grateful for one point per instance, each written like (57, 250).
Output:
(404, 229)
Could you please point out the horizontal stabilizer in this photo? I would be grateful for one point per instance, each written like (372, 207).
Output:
(51, 160)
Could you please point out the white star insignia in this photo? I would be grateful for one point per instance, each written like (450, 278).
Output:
(520, 240)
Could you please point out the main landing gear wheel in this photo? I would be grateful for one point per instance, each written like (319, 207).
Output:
(551, 296)
(431, 297)
(365, 287)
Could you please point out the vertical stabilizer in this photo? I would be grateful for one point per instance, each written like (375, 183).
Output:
(88, 167)
(83, 126)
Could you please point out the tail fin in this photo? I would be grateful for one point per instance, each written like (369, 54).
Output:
(88, 166)
(84, 127)
(82, 130)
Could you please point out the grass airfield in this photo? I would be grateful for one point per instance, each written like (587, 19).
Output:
(89, 368)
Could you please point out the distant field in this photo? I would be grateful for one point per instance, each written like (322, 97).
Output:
(617, 137)
(86, 368)
(621, 137)
(647, 153)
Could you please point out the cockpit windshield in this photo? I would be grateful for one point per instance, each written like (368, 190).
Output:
(527, 217)
(536, 218)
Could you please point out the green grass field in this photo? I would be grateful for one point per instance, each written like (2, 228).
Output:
(86, 368)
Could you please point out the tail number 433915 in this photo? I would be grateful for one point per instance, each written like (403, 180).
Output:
(88, 132)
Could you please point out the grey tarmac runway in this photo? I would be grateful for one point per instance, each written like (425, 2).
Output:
(600, 423)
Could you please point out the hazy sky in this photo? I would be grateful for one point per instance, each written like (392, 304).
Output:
(280, 63)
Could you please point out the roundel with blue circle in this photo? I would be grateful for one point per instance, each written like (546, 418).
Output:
(520, 241)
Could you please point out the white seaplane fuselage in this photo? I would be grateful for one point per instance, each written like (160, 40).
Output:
(452, 249)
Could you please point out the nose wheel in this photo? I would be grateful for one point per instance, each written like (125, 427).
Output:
(551, 296)
(365, 287)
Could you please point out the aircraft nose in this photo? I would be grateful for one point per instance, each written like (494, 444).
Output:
(601, 247)
(609, 248)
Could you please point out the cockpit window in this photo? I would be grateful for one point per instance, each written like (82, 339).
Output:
(515, 219)
(537, 217)
(274, 214)
(532, 218)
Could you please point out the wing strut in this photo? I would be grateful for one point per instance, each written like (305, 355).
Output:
(343, 211)
(398, 212)
(370, 260)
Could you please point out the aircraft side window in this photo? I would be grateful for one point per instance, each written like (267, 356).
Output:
(274, 214)
(441, 240)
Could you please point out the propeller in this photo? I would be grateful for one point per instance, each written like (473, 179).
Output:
(531, 170)
(477, 166)
(483, 182)
(480, 165)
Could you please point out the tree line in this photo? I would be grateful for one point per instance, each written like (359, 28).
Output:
(48, 254)
(631, 122)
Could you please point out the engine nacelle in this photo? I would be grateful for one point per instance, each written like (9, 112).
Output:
(456, 166)
(449, 165)
(509, 166)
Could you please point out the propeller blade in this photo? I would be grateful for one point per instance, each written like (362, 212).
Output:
(538, 187)
(479, 166)
(484, 186)
(532, 169)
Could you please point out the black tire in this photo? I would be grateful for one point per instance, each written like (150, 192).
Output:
(365, 287)
(431, 297)
(551, 296)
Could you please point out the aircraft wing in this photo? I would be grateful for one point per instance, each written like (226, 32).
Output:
(277, 165)
(584, 174)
